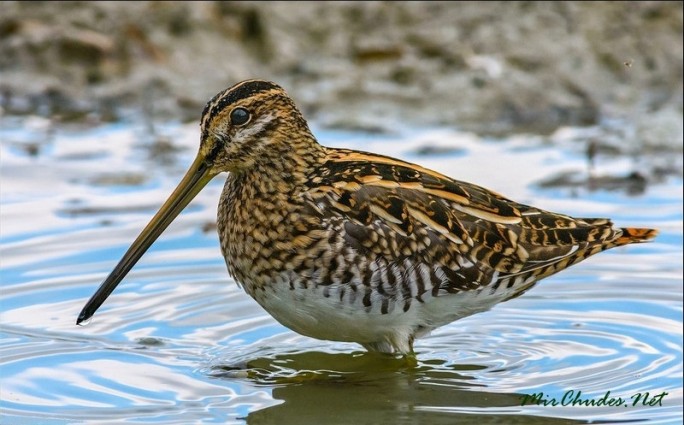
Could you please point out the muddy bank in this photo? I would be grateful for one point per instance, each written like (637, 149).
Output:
(487, 67)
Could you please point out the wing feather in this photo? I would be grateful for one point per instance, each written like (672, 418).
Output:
(443, 222)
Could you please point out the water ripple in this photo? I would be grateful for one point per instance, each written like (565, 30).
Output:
(179, 342)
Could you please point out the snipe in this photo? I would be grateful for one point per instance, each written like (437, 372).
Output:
(352, 246)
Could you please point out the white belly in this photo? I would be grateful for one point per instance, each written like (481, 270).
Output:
(344, 318)
(309, 312)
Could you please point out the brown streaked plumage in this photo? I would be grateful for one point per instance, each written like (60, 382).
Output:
(351, 246)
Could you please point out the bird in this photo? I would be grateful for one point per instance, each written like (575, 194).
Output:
(345, 245)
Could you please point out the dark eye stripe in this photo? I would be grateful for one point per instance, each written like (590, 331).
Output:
(232, 94)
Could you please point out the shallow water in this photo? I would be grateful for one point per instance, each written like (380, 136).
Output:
(179, 342)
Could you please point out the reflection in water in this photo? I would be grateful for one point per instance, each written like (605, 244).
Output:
(401, 400)
(342, 388)
(179, 343)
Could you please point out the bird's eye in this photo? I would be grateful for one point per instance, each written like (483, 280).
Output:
(239, 116)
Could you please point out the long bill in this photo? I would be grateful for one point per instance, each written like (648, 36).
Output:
(194, 180)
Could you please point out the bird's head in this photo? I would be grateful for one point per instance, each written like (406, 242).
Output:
(252, 122)
(251, 126)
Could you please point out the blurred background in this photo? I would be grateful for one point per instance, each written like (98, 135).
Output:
(492, 68)
(570, 106)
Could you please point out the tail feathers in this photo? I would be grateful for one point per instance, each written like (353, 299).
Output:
(634, 235)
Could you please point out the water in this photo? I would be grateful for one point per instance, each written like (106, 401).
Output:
(178, 342)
